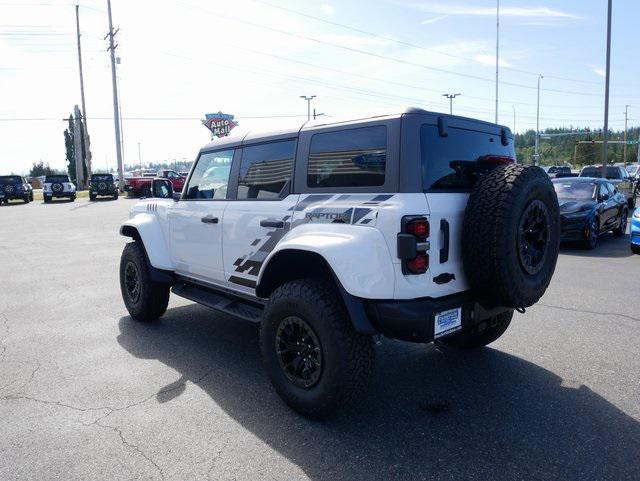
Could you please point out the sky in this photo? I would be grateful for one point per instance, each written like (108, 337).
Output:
(255, 58)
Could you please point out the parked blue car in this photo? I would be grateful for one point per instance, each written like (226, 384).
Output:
(635, 232)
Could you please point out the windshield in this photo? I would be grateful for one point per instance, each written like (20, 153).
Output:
(10, 179)
(633, 169)
(575, 190)
(612, 172)
(102, 178)
(57, 178)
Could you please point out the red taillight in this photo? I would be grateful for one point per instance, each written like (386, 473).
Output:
(419, 264)
(419, 228)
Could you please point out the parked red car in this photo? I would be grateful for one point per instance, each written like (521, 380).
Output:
(141, 186)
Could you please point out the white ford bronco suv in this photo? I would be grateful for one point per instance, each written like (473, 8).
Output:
(417, 226)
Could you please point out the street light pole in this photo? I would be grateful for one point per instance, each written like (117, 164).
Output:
(605, 137)
(451, 97)
(308, 99)
(116, 110)
(624, 148)
(139, 159)
(537, 150)
(514, 124)
(497, 51)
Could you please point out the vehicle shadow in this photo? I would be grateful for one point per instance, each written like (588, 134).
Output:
(608, 246)
(431, 414)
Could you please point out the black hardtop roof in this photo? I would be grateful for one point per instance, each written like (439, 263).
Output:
(266, 136)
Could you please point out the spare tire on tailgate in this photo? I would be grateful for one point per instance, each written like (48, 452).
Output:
(511, 236)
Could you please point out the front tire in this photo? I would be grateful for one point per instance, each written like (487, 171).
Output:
(315, 359)
(144, 299)
(26, 199)
(483, 334)
(622, 226)
(72, 197)
(591, 240)
(635, 248)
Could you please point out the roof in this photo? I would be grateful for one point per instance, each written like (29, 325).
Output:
(267, 135)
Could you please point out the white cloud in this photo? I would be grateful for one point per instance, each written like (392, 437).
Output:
(327, 9)
(487, 59)
(597, 70)
(528, 12)
(433, 20)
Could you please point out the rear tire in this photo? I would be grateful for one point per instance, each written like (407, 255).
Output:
(72, 197)
(483, 334)
(92, 197)
(334, 366)
(115, 196)
(25, 199)
(47, 199)
(635, 249)
(144, 299)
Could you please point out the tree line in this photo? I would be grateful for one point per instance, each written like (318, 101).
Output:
(562, 149)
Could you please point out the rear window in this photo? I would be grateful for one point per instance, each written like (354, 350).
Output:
(10, 179)
(348, 158)
(454, 162)
(612, 172)
(102, 178)
(575, 190)
(56, 178)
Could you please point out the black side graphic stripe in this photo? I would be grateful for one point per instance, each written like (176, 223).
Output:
(242, 281)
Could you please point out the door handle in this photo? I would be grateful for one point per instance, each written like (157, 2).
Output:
(444, 250)
(209, 220)
(278, 224)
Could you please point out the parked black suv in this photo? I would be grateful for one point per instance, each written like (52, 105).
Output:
(15, 187)
(103, 185)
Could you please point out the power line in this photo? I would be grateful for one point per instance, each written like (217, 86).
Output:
(413, 45)
(376, 55)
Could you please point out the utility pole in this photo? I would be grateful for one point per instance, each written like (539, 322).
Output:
(497, 51)
(139, 158)
(451, 97)
(514, 124)
(85, 131)
(116, 112)
(624, 147)
(536, 155)
(308, 99)
(606, 94)
(77, 147)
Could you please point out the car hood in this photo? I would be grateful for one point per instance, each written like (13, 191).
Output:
(567, 205)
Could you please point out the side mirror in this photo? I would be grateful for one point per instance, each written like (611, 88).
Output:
(161, 188)
(604, 197)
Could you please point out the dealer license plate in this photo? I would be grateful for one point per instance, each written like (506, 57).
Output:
(447, 322)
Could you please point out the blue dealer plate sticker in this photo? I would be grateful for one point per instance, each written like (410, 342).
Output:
(447, 322)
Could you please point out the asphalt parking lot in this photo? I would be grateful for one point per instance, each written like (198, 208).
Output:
(87, 393)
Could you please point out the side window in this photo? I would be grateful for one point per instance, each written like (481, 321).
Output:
(210, 176)
(348, 158)
(265, 170)
(172, 175)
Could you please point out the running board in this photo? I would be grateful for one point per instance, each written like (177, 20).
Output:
(219, 301)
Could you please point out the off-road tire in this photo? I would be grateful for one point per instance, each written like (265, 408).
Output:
(31, 197)
(47, 199)
(25, 199)
(115, 196)
(72, 197)
(622, 229)
(92, 197)
(153, 296)
(635, 249)
(482, 334)
(347, 357)
(491, 237)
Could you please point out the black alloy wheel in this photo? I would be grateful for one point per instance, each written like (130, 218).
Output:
(132, 282)
(533, 236)
(592, 233)
(299, 352)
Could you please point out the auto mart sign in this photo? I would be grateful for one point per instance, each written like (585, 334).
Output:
(219, 124)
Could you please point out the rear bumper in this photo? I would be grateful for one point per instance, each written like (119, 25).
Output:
(413, 320)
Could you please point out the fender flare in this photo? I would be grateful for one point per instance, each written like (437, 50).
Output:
(358, 256)
(146, 229)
